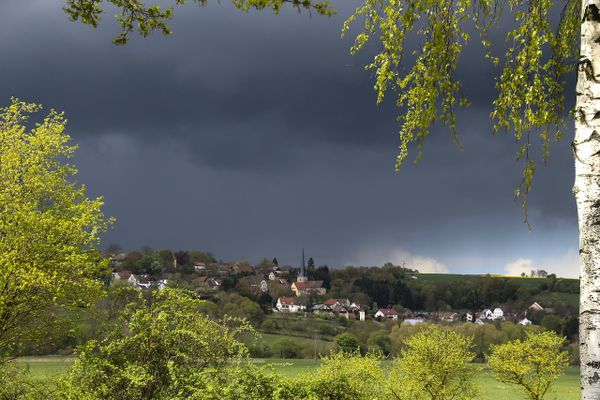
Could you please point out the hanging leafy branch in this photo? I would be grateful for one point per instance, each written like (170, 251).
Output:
(530, 99)
(138, 17)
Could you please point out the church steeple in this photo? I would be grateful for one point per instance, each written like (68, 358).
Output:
(302, 276)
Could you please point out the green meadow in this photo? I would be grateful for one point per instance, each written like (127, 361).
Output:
(566, 388)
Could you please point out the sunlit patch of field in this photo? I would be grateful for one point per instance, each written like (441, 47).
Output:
(566, 388)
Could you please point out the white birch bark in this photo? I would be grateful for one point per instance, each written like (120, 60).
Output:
(586, 148)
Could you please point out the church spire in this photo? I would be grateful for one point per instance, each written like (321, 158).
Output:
(303, 270)
(302, 276)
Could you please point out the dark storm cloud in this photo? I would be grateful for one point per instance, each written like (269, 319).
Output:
(252, 135)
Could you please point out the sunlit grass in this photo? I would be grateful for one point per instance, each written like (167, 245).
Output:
(566, 388)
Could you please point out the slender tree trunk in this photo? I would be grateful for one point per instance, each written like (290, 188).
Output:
(586, 148)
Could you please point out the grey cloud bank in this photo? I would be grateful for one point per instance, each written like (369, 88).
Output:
(254, 135)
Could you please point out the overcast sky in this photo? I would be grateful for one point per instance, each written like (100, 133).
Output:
(254, 135)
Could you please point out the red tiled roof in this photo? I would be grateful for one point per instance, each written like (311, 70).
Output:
(309, 285)
(287, 300)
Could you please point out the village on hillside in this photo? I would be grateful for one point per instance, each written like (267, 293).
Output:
(300, 295)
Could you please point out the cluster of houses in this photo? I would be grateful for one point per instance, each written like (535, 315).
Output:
(346, 308)
(258, 281)
(140, 281)
(330, 307)
(303, 288)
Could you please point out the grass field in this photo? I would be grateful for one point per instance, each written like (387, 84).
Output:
(525, 281)
(308, 345)
(566, 388)
(44, 367)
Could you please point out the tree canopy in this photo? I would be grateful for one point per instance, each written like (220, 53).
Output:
(531, 81)
(48, 228)
(135, 16)
(532, 364)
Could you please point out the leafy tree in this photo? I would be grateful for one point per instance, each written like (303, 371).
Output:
(341, 376)
(138, 17)
(240, 382)
(434, 365)
(205, 257)
(17, 384)
(533, 364)
(380, 342)
(544, 50)
(48, 228)
(554, 323)
(287, 348)
(164, 258)
(131, 259)
(265, 301)
(234, 305)
(184, 262)
(154, 351)
(143, 265)
(347, 343)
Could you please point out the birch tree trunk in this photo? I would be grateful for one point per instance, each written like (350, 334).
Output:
(586, 148)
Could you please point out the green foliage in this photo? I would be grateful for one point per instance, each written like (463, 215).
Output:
(234, 305)
(485, 336)
(240, 382)
(155, 351)
(164, 258)
(379, 343)
(530, 87)
(287, 348)
(48, 228)
(341, 376)
(346, 343)
(533, 364)
(16, 384)
(434, 365)
(138, 17)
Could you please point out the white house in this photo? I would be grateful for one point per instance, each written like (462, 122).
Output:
(486, 314)
(469, 317)
(264, 287)
(132, 280)
(498, 313)
(525, 322)
(289, 304)
(141, 281)
(199, 266)
(387, 313)
(161, 284)
(361, 315)
(123, 275)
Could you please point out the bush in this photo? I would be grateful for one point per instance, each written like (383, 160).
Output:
(155, 350)
(341, 376)
(16, 384)
(347, 343)
(287, 348)
(434, 365)
(532, 364)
